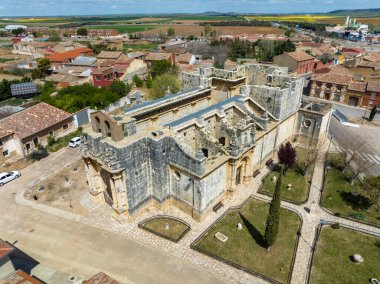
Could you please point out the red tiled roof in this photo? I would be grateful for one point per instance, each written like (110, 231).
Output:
(5, 249)
(311, 44)
(373, 87)
(373, 57)
(33, 120)
(300, 55)
(333, 79)
(183, 58)
(71, 54)
(19, 277)
(109, 54)
(358, 86)
(152, 56)
(101, 278)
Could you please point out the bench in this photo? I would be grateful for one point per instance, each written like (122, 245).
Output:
(256, 173)
(217, 206)
(269, 162)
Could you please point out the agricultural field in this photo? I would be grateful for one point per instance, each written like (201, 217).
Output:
(126, 28)
(186, 30)
(299, 18)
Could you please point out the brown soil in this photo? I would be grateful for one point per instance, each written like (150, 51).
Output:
(15, 166)
(62, 190)
(197, 30)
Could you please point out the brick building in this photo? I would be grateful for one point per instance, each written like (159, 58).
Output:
(298, 61)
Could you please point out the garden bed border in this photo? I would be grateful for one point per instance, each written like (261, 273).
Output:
(252, 272)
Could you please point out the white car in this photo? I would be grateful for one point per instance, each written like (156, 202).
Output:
(9, 176)
(75, 142)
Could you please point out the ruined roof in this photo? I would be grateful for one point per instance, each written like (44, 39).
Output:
(300, 56)
(101, 278)
(33, 120)
(19, 277)
(152, 56)
(5, 248)
(373, 87)
(71, 54)
(109, 54)
(358, 86)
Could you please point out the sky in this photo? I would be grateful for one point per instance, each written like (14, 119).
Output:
(9, 8)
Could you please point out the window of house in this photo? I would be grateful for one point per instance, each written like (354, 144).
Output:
(1, 143)
(65, 127)
(5, 153)
(27, 145)
(35, 141)
(177, 175)
(97, 78)
(51, 133)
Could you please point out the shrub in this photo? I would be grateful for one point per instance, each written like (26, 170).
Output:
(138, 82)
(348, 175)
(38, 154)
(335, 226)
(357, 215)
(300, 167)
(377, 243)
(51, 140)
(336, 161)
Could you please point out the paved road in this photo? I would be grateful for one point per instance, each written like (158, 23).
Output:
(370, 152)
(83, 250)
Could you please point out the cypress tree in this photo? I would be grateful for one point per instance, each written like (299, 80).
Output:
(373, 113)
(273, 220)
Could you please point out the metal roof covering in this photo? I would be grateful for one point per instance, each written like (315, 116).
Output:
(23, 89)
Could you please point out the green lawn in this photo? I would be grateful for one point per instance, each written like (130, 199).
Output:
(157, 226)
(137, 47)
(332, 264)
(246, 247)
(297, 194)
(126, 28)
(337, 197)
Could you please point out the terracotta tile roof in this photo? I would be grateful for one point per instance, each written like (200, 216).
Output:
(33, 120)
(5, 249)
(373, 57)
(358, 86)
(19, 277)
(336, 69)
(311, 44)
(101, 278)
(333, 78)
(109, 54)
(373, 87)
(72, 54)
(300, 55)
(152, 56)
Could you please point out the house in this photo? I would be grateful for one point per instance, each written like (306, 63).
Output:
(172, 45)
(137, 55)
(58, 60)
(6, 265)
(351, 52)
(230, 65)
(19, 277)
(66, 46)
(34, 49)
(298, 61)
(109, 58)
(103, 76)
(337, 83)
(185, 58)
(130, 68)
(367, 67)
(103, 33)
(24, 90)
(84, 61)
(22, 132)
(9, 110)
(158, 56)
(101, 278)
(71, 76)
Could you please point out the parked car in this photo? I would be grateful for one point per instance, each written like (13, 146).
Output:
(75, 142)
(9, 176)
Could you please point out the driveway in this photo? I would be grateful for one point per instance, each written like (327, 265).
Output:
(82, 250)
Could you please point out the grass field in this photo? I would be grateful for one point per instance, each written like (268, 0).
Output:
(332, 264)
(337, 197)
(246, 247)
(157, 226)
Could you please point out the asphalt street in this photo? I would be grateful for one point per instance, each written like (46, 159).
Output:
(371, 134)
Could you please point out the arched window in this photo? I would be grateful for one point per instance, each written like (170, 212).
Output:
(205, 152)
(108, 128)
(222, 140)
(97, 124)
